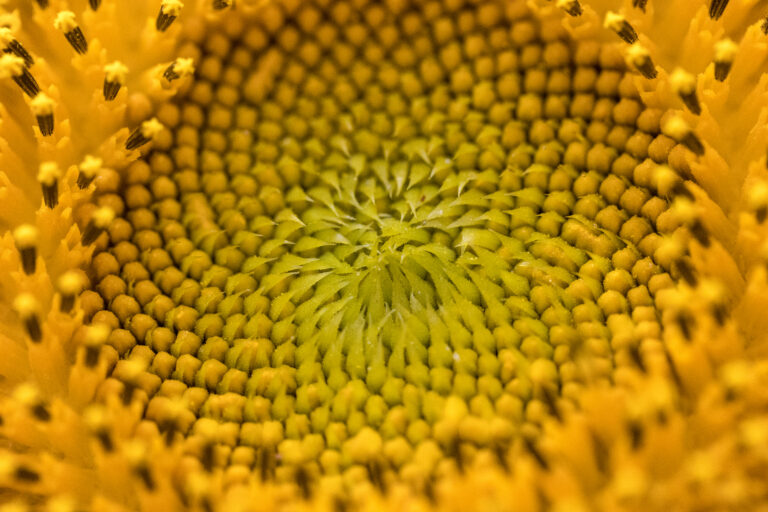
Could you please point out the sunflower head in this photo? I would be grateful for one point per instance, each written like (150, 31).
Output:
(346, 255)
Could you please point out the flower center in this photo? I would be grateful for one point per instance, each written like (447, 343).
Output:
(376, 233)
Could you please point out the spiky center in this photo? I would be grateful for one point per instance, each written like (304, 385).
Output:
(364, 216)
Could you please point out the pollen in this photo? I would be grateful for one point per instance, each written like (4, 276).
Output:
(353, 255)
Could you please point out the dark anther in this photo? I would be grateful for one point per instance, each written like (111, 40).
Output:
(136, 139)
(686, 323)
(221, 4)
(640, 4)
(500, 449)
(77, 40)
(375, 473)
(66, 304)
(91, 233)
(170, 73)
(302, 480)
(682, 191)
(456, 452)
(716, 8)
(169, 433)
(761, 214)
(51, 194)
(28, 259)
(626, 32)
(35, 332)
(127, 394)
(636, 434)
(163, 21)
(142, 471)
(91, 353)
(573, 8)
(720, 312)
(536, 453)
(26, 474)
(267, 461)
(699, 232)
(637, 357)
(94, 4)
(722, 68)
(550, 398)
(673, 370)
(691, 101)
(18, 49)
(208, 456)
(429, 490)
(646, 67)
(602, 456)
(83, 181)
(42, 3)
(105, 439)
(27, 83)
(45, 123)
(764, 26)
(687, 272)
(40, 412)
(111, 89)
(692, 142)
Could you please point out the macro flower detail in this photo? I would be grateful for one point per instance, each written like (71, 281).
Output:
(355, 255)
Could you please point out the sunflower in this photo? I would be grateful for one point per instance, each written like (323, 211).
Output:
(375, 255)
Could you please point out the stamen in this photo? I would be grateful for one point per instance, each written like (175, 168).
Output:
(725, 52)
(684, 84)
(12, 45)
(764, 26)
(179, 68)
(143, 134)
(621, 26)
(572, 7)
(42, 107)
(114, 78)
(27, 307)
(12, 66)
(95, 337)
(716, 8)
(42, 3)
(678, 129)
(25, 237)
(89, 168)
(218, 5)
(536, 453)
(97, 423)
(48, 176)
(136, 454)
(639, 57)
(687, 271)
(758, 200)
(169, 11)
(132, 371)
(69, 284)
(29, 396)
(640, 4)
(686, 210)
(27, 474)
(94, 4)
(65, 21)
(100, 220)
